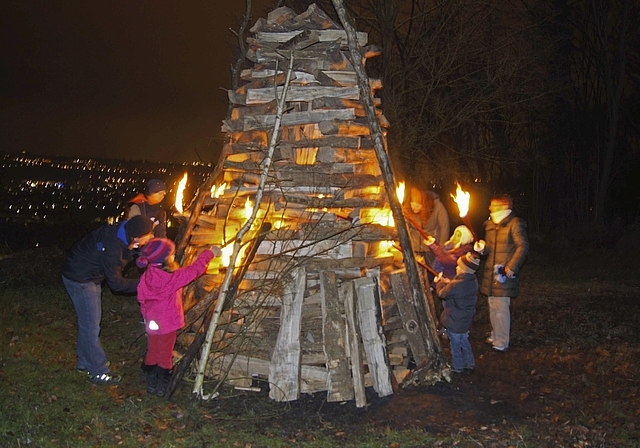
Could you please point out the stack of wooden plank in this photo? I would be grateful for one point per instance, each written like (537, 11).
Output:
(315, 310)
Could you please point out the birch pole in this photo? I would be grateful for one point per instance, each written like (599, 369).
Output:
(237, 243)
(436, 363)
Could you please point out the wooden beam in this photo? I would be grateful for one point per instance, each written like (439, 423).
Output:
(284, 370)
(355, 344)
(339, 382)
(372, 336)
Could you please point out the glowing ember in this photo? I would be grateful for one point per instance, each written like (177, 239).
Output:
(400, 192)
(462, 199)
(180, 193)
(216, 192)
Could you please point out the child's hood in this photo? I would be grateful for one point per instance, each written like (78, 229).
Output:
(155, 279)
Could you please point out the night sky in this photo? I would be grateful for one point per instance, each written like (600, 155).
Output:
(137, 80)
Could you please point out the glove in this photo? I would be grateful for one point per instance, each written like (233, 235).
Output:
(479, 246)
(217, 252)
(429, 241)
(500, 274)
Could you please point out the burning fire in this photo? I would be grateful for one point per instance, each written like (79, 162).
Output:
(180, 193)
(462, 199)
(216, 192)
(248, 209)
(400, 192)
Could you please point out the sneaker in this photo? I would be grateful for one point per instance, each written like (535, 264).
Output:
(499, 349)
(104, 378)
(457, 370)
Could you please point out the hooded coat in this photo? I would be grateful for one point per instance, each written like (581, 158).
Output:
(506, 244)
(459, 302)
(160, 294)
(101, 254)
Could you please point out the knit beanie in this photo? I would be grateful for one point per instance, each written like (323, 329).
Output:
(155, 185)
(461, 235)
(137, 226)
(155, 251)
(469, 262)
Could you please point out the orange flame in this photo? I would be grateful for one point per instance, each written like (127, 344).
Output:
(248, 209)
(400, 192)
(216, 192)
(462, 199)
(180, 194)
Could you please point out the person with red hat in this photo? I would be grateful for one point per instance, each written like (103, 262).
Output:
(160, 297)
(149, 204)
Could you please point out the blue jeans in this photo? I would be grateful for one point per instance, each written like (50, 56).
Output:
(87, 300)
(461, 354)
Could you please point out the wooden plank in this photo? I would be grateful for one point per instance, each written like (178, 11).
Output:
(372, 335)
(294, 93)
(354, 344)
(284, 370)
(295, 118)
(323, 36)
(339, 383)
(343, 128)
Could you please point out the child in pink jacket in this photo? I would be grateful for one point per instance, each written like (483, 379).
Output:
(160, 297)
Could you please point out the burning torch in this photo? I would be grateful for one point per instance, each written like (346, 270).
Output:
(462, 199)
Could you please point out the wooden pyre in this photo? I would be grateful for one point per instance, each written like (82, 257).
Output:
(315, 309)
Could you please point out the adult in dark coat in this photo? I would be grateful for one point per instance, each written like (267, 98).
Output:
(507, 248)
(149, 204)
(101, 255)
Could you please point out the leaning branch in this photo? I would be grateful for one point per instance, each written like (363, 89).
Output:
(266, 165)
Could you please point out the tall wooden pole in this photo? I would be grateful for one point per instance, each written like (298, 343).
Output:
(433, 367)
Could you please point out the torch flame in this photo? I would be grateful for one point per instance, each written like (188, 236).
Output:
(400, 192)
(180, 193)
(462, 199)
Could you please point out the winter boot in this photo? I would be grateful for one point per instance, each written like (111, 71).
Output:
(164, 376)
(151, 373)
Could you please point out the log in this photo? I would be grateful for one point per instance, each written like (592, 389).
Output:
(258, 96)
(410, 321)
(355, 344)
(284, 370)
(372, 335)
(339, 382)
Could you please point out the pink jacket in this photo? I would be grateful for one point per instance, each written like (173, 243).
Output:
(160, 294)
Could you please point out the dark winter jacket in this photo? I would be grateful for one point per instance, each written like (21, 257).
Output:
(506, 244)
(142, 207)
(459, 301)
(100, 255)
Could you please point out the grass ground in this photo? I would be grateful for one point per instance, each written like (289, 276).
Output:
(570, 379)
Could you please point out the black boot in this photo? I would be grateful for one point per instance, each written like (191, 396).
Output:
(151, 373)
(164, 376)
